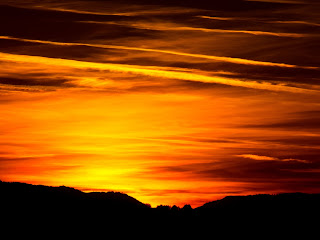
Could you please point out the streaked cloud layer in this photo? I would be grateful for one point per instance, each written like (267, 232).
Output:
(173, 103)
(150, 71)
(217, 58)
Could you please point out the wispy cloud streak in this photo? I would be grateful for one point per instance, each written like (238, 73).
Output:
(297, 22)
(219, 18)
(264, 20)
(194, 55)
(163, 27)
(152, 71)
(267, 158)
(129, 12)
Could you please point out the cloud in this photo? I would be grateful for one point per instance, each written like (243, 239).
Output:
(279, 1)
(253, 32)
(302, 122)
(257, 157)
(263, 175)
(297, 22)
(171, 73)
(266, 158)
(295, 160)
(227, 5)
(174, 27)
(203, 56)
(42, 24)
(220, 18)
(60, 9)
(33, 82)
(132, 10)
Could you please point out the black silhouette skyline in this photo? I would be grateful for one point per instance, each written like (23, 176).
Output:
(39, 196)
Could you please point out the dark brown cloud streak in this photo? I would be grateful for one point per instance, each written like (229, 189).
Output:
(188, 100)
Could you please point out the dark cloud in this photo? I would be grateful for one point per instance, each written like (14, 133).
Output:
(302, 141)
(294, 124)
(16, 13)
(228, 5)
(59, 26)
(82, 26)
(259, 176)
(256, 171)
(231, 70)
(204, 140)
(54, 51)
(308, 120)
(34, 82)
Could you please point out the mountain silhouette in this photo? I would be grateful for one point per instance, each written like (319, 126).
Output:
(23, 193)
(264, 201)
(65, 206)
(285, 206)
(43, 206)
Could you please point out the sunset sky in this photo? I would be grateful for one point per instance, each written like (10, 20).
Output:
(172, 102)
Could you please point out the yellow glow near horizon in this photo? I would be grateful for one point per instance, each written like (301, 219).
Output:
(124, 143)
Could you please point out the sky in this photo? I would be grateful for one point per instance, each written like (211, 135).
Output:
(171, 102)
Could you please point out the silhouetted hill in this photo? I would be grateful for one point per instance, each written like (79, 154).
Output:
(46, 204)
(286, 207)
(63, 212)
(265, 201)
(28, 196)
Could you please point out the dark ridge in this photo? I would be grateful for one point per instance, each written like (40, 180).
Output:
(264, 202)
(60, 210)
(22, 194)
(288, 209)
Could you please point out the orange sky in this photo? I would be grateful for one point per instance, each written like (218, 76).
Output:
(172, 104)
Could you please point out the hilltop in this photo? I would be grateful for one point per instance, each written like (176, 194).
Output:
(25, 199)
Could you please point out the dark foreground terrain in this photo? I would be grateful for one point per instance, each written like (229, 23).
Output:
(36, 205)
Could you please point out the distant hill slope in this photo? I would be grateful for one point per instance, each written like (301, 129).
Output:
(22, 194)
(38, 198)
(261, 199)
(64, 211)
(285, 205)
